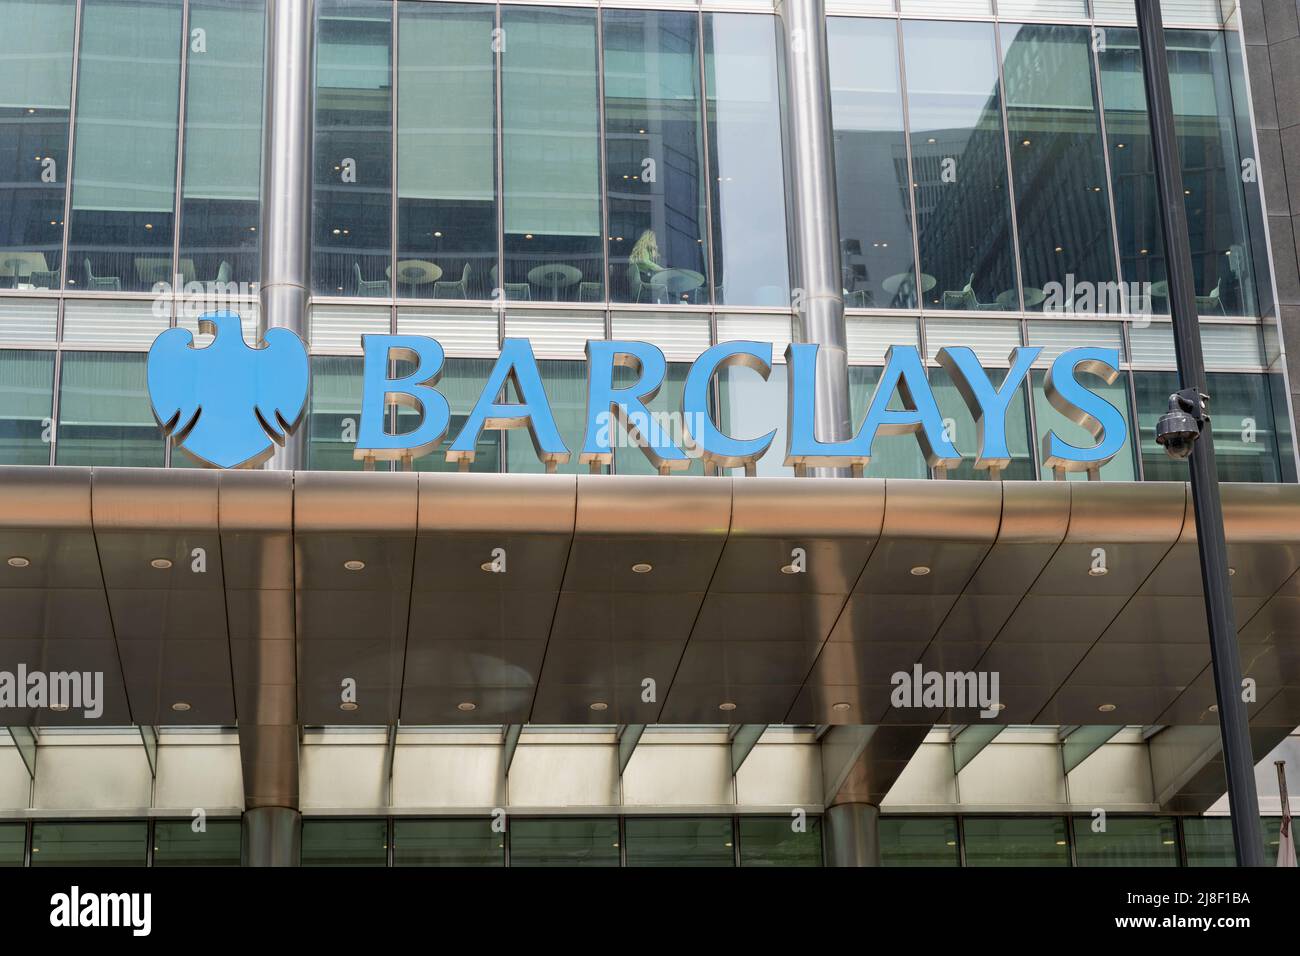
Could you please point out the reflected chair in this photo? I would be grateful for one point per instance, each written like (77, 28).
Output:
(101, 283)
(458, 289)
(1211, 302)
(590, 292)
(963, 299)
(369, 287)
(44, 279)
(223, 272)
(515, 291)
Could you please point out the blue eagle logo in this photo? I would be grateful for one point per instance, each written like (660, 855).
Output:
(225, 404)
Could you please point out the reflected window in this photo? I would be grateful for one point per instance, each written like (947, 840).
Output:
(959, 169)
(1062, 207)
(965, 435)
(13, 843)
(175, 843)
(564, 842)
(1209, 840)
(871, 165)
(35, 92)
(566, 390)
(223, 145)
(551, 155)
(749, 407)
(447, 843)
(446, 151)
(352, 169)
(26, 398)
(334, 413)
(1048, 419)
(124, 168)
(892, 456)
(120, 843)
(654, 148)
(1126, 841)
(918, 841)
(344, 842)
(666, 416)
(773, 841)
(679, 841)
(461, 384)
(104, 412)
(1016, 841)
(746, 172)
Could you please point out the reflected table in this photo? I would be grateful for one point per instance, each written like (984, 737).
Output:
(556, 275)
(904, 284)
(1009, 302)
(415, 272)
(673, 284)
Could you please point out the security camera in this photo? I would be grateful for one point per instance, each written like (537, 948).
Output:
(1178, 428)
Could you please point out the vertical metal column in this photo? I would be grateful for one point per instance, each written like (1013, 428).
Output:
(852, 834)
(1234, 726)
(285, 220)
(819, 283)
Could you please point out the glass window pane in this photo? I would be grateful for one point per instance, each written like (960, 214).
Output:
(1016, 841)
(1245, 437)
(918, 841)
(892, 456)
(666, 411)
(564, 842)
(772, 841)
(1209, 840)
(1207, 145)
(13, 839)
(35, 93)
(447, 843)
(1048, 419)
(1126, 841)
(1062, 208)
(566, 389)
(654, 148)
(871, 164)
(124, 168)
(90, 844)
(333, 413)
(176, 844)
(353, 165)
(446, 151)
(223, 143)
(461, 383)
(963, 219)
(964, 434)
(344, 842)
(551, 152)
(749, 407)
(26, 396)
(679, 841)
(104, 412)
(746, 173)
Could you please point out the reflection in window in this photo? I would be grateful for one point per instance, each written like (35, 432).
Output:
(345, 842)
(176, 844)
(333, 413)
(352, 169)
(892, 456)
(963, 221)
(446, 151)
(551, 152)
(223, 143)
(1126, 841)
(447, 843)
(655, 158)
(746, 175)
(1207, 145)
(104, 412)
(564, 842)
(679, 841)
(964, 435)
(462, 384)
(1209, 840)
(35, 92)
(666, 411)
(1016, 841)
(772, 841)
(1062, 208)
(749, 407)
(90, 844)
(871, 164)
(1246, 446)
(566, 390)
(26, 396)
(124, 169)
(918, 841)
(1048, 419)
(13, 843)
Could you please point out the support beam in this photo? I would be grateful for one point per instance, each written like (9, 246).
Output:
(1187, 768)
(272, 836)
(510, 740)
(969, 741)
(743, 739)
(629, 735)
(24, 739)
(390, 758)
(149, 737)
(860, 763)
(852, 835)
(1078, 743)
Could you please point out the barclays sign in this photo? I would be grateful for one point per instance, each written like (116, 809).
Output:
(226, 403)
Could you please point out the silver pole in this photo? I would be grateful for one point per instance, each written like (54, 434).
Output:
(819, 284)
(285, 222)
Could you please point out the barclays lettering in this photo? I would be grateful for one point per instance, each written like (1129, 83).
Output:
(226, 408)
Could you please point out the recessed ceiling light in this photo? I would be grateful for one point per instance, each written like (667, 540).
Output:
(952, 843)
(466, 706)
(1098, 572)
(999, 706)
(599, 705)
(1060, 843)
(727, 706)
(789, 569)
(841, 705)
(1105, 708)
(162, 564)
(58, 708)
(18, 561)
(354, 565)
(180, 707)
(920, 571)
(348, 705)
(1214, 708)
(1167, 842)
(486, 566)
(1231, 571)
(642, 568)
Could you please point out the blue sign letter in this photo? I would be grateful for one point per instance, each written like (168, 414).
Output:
(720, 449)
(379, 393)
(1069, 397)
(988, 405)
(607, 405)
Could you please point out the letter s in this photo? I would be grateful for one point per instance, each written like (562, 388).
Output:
(1084, 407)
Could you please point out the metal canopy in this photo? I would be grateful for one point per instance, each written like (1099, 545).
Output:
(473, 599)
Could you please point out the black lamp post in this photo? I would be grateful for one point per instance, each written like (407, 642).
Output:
(1185, 434)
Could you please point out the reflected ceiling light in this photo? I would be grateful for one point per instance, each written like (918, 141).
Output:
(354, 565)
(348, 705)
(1143, 251)
(18, 561)
(841, 705)
(1120, 145)
(1096, 189)
(641, 131)
(437, 234)
(1105, 708)
(642, 568)
(162, 564)
(1060, 843)
(337, 231)
(528, 235)
(467, 706)
(1187, 192)
(727, 844)
(148, 225)
(1024, 142)
(599, 705)
(951, 843)
(1167, 842)
(727, 706)
(920, 571)
(931, 140)
(180, 707)
(1060, 249)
